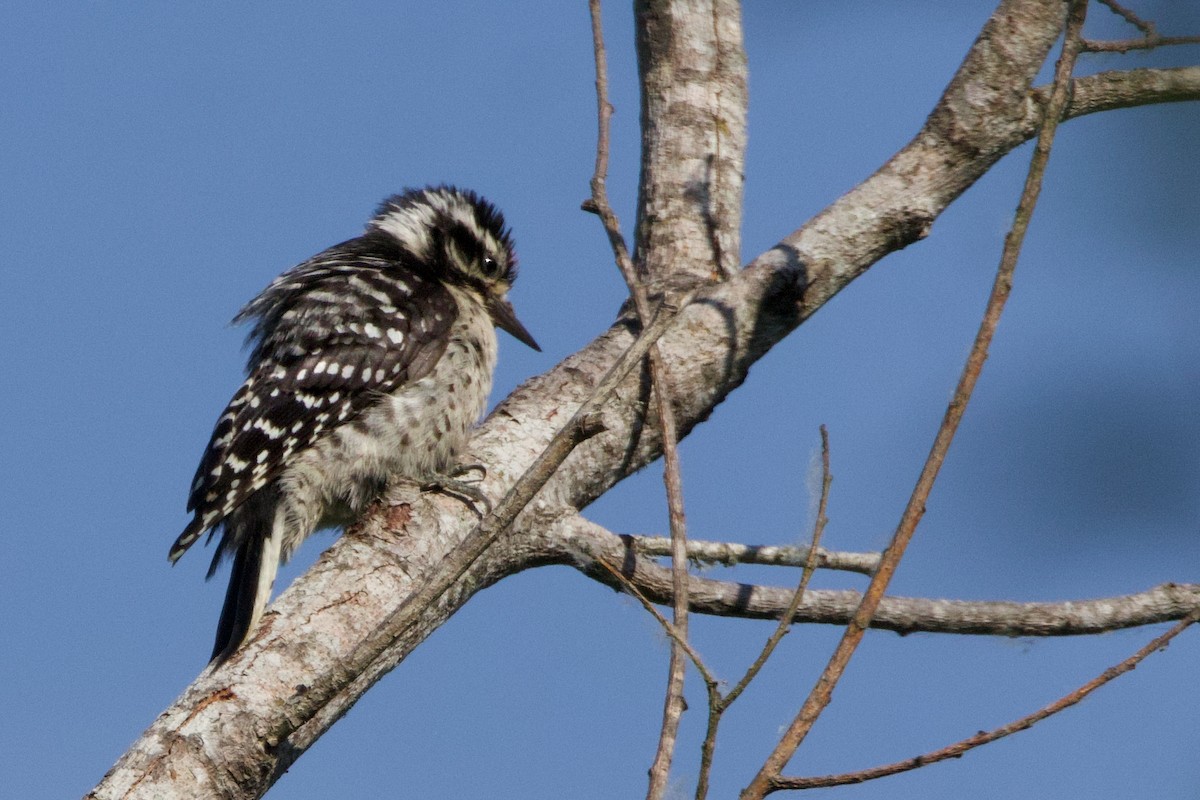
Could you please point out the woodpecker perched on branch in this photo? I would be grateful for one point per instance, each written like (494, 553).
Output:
(370, 360)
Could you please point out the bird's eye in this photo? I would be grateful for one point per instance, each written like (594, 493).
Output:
(491, 267)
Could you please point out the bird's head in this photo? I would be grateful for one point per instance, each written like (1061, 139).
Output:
(462, 239)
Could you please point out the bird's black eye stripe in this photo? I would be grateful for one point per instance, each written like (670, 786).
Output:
(466, 243)
(469, 246)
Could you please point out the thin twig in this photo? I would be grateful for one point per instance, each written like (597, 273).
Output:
(957, 749)
(1145, 26)
(1149, 39)
(673, 705)
(1145, 43)
(785, 620)
(670, 629)
(765, 781)
(598, 202)
(718, 705)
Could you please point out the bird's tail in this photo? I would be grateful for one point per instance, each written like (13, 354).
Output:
(255, 563)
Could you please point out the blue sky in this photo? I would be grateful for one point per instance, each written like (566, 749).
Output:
(162, 162)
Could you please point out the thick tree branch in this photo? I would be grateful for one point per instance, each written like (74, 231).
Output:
(693, 75)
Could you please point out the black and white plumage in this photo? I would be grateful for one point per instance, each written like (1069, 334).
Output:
(370, 360)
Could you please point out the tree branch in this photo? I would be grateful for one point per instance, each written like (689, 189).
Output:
(576, 541)
(673, 704)
(958, 749)
(1150, 36)
(693, 75)
(669, 629)
(1108, 91)
(769, 555)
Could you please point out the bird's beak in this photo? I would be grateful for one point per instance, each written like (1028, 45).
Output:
(506, 319)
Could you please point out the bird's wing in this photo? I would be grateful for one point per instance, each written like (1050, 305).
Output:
(310, 371)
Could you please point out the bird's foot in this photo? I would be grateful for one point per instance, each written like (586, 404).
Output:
(454, 484)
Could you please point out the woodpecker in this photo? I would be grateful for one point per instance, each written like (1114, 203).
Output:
(369, 361)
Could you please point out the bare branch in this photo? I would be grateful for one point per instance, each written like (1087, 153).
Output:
(629, 588)
(673, 703)
(576, 541)
(1145, 26)
(1108, 91)
(1149, 40)
(1147, 43)
(598, 202)
(770, 555)
(957, 749)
